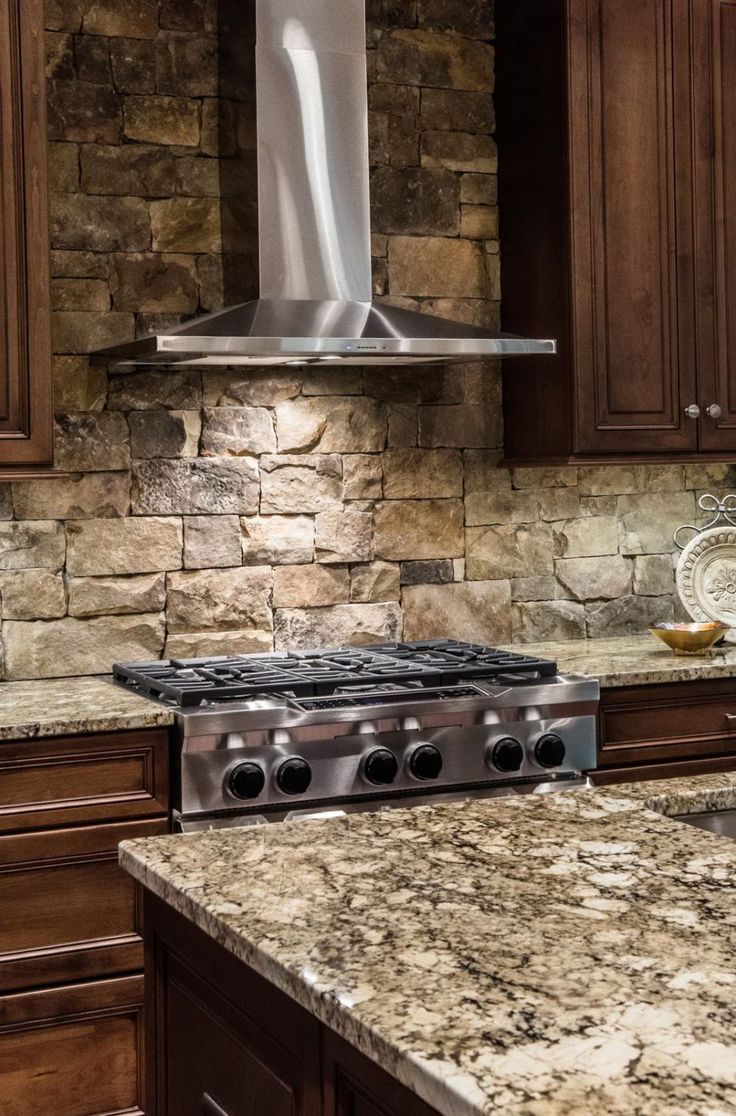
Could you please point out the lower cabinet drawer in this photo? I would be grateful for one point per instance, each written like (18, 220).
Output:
(68, 911)
(73, 1051)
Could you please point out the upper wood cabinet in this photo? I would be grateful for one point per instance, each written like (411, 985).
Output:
(617, 189)
(26, 413)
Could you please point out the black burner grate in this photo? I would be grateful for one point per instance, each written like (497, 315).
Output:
(192, 682)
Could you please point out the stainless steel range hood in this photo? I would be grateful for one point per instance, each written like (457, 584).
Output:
(314, 220)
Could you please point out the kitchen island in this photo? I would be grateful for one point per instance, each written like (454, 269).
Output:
(533, 956)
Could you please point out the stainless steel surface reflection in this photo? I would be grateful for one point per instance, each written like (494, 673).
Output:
(722, 822)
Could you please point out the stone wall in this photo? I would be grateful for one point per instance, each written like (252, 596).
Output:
(216, 511)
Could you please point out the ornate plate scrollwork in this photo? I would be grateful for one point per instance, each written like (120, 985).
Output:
(706, 571)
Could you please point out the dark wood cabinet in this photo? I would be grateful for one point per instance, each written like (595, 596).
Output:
(222, 1041)
(71, 951)
(26, 412)
(666, 730)
(617, 163)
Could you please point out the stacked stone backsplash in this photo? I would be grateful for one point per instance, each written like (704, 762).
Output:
(218, 511)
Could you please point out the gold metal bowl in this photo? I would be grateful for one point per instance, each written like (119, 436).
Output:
(690, 639)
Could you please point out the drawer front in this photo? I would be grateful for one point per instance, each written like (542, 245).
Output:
(69, 912)
(677, 769)
(71, 780)
(673, 721)
(73, 1051)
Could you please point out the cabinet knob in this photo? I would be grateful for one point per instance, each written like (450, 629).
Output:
(714, 411)
(693, 411)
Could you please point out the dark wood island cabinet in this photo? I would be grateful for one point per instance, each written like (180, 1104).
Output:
(617, 194)
(222, 1041)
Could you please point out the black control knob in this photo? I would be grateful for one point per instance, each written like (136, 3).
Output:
(425, 762)
(381, 767)
(294, 776)
(507, 754)
(246, 780)
(550, 750)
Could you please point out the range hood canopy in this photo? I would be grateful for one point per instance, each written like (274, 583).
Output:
(316, 300)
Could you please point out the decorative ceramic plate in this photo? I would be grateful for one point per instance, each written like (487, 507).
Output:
(706, 576)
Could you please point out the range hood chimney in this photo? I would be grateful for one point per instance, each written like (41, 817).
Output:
(315, 300)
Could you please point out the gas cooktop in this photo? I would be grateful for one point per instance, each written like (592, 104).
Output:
(389, 667)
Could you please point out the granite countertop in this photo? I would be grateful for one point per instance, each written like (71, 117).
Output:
(633, 660)
(61, 706)
(556, 955)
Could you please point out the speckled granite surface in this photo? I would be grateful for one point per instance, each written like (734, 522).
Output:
(633, 660)
(559, 955)
(57, 707)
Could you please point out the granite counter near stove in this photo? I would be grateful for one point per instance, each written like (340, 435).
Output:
(632, 660)
(74, 706)
(557, 955)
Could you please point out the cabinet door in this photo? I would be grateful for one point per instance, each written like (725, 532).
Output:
(632, 236)
(75, 1050)
(714, 30)
(26, 422)
(355, 1086)
(69, 910)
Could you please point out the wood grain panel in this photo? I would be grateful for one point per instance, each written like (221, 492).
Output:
(73, 1051)
(26, 412)
(83, 779)
(634, 305)
(69, 911)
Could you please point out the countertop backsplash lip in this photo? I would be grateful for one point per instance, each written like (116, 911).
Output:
(594, 851)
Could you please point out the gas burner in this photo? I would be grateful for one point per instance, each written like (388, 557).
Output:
(436, 663)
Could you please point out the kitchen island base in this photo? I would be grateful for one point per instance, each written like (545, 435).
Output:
(222, 1041)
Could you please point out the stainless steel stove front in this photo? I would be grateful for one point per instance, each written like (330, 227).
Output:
(236, 772)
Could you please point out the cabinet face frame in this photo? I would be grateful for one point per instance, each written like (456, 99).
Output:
(26, 408)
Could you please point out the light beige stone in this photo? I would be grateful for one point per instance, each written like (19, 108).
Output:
(343, 535)
(417, 529)
(196, 486)
(155, 434)
(436, 266)
(354, 424)
(545, 477)
(219, 600)
(476, 611)
(647, 522)
(627, 616)
(186, 225)
(338, 625)
(192, 645)
(277, 539)
(548, 620)
(237, 431)
(117, 596)
(558, 503)
(134, 19)
(710, 475)
(59, 648)
(257, 388)
(362, 477)
(508, 551)
(156, 391)
(403, 427)
(156, 284)
(300, 485)
(654, 575)
(80, 294)
(310, 586)
(586, 538)
(76, 496)
(372, 582)
(171, 121)
(123, 546)
(535, 589)
(479, 222)
(465, 426)
(78, 385)
(446, 61)
(415, 474)
(614, 480)
(92, 442)
(590, 579)
(212, 541)
(460, 152)
(101, 224)
(32, 595)
(500, 505)
(37, 545)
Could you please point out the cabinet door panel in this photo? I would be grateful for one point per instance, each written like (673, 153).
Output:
(632, 227)
(69, 911)
(73, 1051)
(715, 29)
(25, 346)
